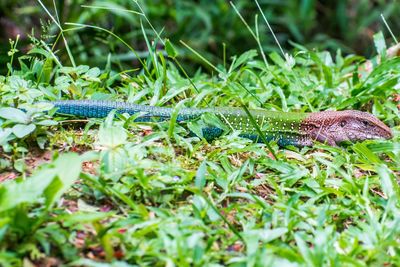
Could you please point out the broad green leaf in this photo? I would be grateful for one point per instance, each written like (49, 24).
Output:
(67, 169)
(95, 263)
(303, 249)
(93, 72)
(14, 114)
(114, 160)
(28, 191)
(272, 234)
(41, 51)
(196, 127)
(277, 59)
(49, 183)
(112, 136)
(213, 120)
(363, 151)
(244, 58)
(22, 130)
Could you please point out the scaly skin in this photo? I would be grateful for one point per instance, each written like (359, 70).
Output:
(287, 128)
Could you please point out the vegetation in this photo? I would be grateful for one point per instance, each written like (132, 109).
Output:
(89, 192)
(210, 29)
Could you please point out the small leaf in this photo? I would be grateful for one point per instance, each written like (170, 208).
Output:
(244, 58)
(277, 59)
(171, 51)
(200, 180)
(93, 72)
(4, 134)
(387, 179)
(112, 136)
(196, 127)
(213, 120)
(46, 123)
(22, 130)
(271, 234)
(380, 44)
(174, 117)
(14, 115)
(83, 217)
(47, 70)
(67, 168)
(114, 160)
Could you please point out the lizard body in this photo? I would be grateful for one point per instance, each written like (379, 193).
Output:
(287, 128)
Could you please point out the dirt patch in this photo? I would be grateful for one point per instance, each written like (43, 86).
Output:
(35, 158)
(264, 191)
(90, 167)
(32, 160)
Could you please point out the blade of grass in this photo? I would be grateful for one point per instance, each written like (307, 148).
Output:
(270, 29)
(255, 36)
(57, 22)
(112, 8)
(201, 57)
(80, 26)
(390, 30)
(260, 133)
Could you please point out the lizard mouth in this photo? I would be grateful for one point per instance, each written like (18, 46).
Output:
(389, 133)
(368, 136)
(378, 137)
(384, 131)
(381, 129)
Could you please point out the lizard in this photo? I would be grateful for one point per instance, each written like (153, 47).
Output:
(287, 128)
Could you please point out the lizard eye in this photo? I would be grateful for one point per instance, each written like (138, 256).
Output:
(365, 123)
(343, 123)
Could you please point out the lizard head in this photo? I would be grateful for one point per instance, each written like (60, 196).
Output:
(335, 127)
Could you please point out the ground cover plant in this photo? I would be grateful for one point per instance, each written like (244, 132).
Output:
(326, 25)
(92, 192)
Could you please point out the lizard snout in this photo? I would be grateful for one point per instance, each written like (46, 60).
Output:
(383, 131)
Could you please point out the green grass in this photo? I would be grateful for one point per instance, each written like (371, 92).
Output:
(141, 194)
(213, 30)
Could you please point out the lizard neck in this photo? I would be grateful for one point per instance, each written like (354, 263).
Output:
(315, 125)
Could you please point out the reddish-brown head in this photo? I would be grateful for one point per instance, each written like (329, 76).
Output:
(335, 127)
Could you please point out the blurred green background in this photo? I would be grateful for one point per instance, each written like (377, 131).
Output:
(205, 25)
